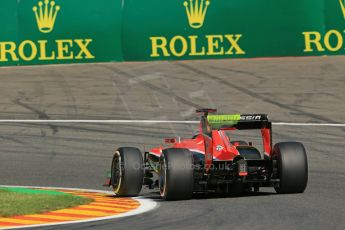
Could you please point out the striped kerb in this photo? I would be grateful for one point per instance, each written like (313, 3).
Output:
(103, 205)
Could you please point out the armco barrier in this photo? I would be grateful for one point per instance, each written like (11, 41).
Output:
(77, 31)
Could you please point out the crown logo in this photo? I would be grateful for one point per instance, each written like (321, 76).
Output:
(196, 12)
(342, 5)
(46, 13)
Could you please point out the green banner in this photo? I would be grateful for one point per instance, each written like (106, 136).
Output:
(195, 29)
(54, 32)
(83, 31)
(328, 38)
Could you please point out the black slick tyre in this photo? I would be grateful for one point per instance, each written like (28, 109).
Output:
(176, 174)
(292, 167)
(127, 172)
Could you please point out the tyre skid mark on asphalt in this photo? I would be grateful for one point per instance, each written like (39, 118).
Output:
(103, 206)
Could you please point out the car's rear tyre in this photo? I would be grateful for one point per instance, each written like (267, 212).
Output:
(292, 167)
(176, 174)
(127, 172)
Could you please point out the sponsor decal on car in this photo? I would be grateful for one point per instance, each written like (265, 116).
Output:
(219, 148)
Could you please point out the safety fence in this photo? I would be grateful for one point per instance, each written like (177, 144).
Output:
(79, 31)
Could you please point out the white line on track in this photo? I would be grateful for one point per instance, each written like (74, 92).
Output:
(101, 121)
(308, 124)
(145, 206)
(155, 122)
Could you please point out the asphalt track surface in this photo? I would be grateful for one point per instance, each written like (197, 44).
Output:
(308, 90)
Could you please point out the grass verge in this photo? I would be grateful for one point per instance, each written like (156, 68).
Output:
(14, 203)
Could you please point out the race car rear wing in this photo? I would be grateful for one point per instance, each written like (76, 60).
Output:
(210, 123)
(238, 121)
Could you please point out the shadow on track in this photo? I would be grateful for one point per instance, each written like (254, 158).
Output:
(208, 196)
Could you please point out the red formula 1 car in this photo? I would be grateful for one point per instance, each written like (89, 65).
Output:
(211, 162)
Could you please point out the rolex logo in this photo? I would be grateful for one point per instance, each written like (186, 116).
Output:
(196, 12)
(342, 5)
(46, 13)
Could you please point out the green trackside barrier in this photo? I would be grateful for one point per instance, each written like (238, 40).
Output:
(60, 31)
(200, 29)
(83, 31)
(329, 39)
(8, 21)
